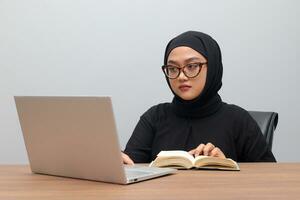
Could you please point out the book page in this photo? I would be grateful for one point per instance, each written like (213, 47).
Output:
(213, 162)
(176, 153)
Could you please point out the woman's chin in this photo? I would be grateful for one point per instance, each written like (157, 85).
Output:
(187, 97)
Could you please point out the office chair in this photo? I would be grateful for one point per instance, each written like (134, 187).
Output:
(267, 121)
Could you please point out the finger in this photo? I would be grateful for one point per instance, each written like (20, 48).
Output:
(216, 152)
(199, 150)
(208, 148)
(192, 151)
(127, 159)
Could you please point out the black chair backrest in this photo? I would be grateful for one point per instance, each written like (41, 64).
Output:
(267, 121)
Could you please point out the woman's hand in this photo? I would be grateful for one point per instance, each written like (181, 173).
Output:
(207, 150)
(126, 159)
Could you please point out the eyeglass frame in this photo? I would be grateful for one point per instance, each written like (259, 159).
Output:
(181, 69)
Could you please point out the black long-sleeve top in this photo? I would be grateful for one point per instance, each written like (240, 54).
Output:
(231, 129)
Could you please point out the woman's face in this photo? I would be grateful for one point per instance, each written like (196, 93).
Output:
(183, 86)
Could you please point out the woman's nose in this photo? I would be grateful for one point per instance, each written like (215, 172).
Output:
(182, 76)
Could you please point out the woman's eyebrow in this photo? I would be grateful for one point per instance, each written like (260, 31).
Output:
(192, 59)
(172, 62)
(185, 61)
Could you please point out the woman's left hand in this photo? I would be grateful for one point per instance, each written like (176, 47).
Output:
(207, 150)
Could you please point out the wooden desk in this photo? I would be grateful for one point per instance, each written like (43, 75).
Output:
(254, 181)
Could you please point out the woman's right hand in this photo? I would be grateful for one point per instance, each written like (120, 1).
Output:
(126, 159)
(207, 150)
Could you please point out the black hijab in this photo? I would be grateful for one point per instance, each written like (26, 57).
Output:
(209, 101)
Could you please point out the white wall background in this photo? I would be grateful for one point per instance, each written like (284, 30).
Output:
(116, 48)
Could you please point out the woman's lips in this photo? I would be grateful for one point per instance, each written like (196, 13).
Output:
(184, 88)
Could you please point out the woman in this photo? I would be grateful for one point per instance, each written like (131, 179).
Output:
(197, 120)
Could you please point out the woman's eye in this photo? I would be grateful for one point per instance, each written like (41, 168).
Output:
(191, 66)
(172, 69)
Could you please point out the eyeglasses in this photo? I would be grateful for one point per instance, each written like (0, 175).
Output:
(190, 70)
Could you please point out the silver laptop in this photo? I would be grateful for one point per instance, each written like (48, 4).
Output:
(76, 137)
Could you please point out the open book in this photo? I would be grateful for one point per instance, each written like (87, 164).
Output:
(183, 160)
